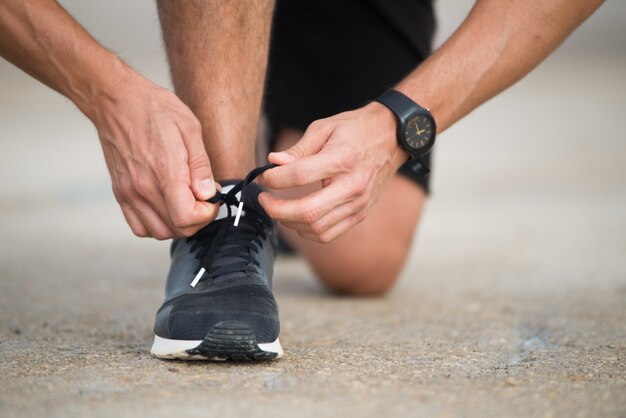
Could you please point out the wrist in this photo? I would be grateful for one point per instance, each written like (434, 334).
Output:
(429, 95)
(387, 125)
(101, 82)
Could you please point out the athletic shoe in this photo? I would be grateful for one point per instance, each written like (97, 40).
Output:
(219, 303)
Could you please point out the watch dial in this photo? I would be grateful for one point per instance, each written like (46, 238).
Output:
(419, 132)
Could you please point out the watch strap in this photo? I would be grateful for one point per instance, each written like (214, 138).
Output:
(399, 104)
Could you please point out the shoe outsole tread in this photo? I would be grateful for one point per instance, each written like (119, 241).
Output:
(226, 341)
(231, 340)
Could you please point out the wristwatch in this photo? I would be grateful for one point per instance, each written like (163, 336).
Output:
(416, 126)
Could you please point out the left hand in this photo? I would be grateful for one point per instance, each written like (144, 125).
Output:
(353, 154)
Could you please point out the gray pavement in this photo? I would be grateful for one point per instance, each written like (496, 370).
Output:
(513, 303)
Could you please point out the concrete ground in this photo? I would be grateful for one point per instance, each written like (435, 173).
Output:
(513, 303)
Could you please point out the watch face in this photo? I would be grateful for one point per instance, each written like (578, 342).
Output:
(419, 132)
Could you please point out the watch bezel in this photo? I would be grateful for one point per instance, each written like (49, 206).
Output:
(401, 132)
(404, 109)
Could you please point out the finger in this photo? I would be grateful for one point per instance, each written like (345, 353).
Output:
(156, 227)
(296, 226)
(311, 143)
(151, 194)
(302, 172)
(202, 183)
(147, 190)
(184, 210)
(133, 221)
(332, 218)
(337, 230)
(307, 209)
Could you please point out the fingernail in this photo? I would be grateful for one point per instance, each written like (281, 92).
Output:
(207, 188)
(283, 156)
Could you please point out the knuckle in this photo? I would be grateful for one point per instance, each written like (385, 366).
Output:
(180, 224)
(310, 215)
(360, 185)
(297, 150)
(316, 125)
(138, 184)
(317, 228)
(138, 232)
(117, 192)
(360, 204)
(199, 161)
(125, 189)
(361, 216)
(354, 189)
(300, 177)
(348, 159)
(325, 238)
(186, 232)
(162, 234)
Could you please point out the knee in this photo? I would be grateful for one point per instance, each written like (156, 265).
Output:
(366, 276)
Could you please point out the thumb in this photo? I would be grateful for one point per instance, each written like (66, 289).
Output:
(201, 176)
(311, 143)
(202, 183)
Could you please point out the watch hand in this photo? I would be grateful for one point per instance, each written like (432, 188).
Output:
(417, 129)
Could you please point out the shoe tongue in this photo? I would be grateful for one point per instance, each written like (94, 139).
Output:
(251, 198)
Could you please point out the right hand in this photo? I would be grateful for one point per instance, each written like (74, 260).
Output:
(153, 147)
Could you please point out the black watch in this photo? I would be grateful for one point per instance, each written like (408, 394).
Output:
(416, 126)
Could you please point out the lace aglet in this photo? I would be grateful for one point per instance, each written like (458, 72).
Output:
(198, 277)
(239, 209)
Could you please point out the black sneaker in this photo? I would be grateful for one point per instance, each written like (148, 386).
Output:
(219, 303)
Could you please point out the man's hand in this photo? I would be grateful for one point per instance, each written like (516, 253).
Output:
(159, 168)
(353, 154)
(152, 142)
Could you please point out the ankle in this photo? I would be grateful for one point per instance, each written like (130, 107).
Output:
(231, 172)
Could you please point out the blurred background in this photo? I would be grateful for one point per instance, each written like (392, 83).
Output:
(519, 260)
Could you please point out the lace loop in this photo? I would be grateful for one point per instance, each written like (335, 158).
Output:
(230, 198)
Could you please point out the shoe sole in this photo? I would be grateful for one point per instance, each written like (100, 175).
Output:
(227, 340)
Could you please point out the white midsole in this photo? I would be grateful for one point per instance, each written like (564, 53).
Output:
(165, 348)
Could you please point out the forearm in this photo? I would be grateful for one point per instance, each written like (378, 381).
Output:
(43, 40)
(499, 43)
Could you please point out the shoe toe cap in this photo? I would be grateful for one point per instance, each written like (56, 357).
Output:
(192, 316)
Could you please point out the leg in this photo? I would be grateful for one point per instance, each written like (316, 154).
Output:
(218, 57)
(367, 259)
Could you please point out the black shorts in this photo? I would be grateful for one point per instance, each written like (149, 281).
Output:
(329, 56)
